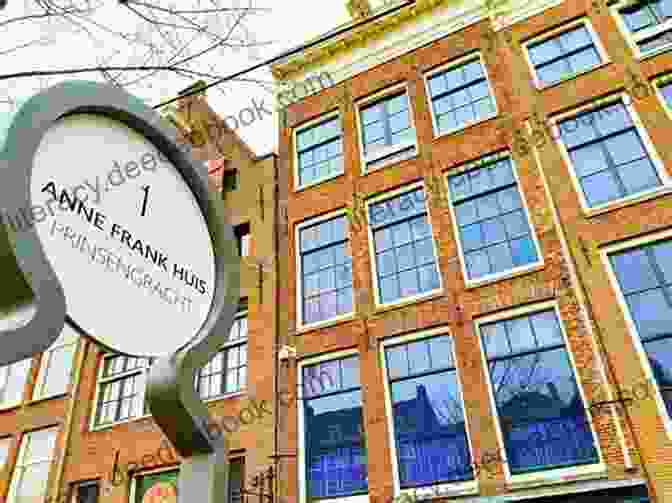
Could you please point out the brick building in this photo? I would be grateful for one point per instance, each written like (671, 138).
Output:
(474, 265)
(74, 425)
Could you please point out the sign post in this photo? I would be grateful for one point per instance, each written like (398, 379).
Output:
(121, 236)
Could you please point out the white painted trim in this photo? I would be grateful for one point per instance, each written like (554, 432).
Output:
(581, 302)
(477, 55)
(631, 38)
(300, 325)
(524, 10)
(658, 83)
(295, 151)
(372, 249)
(451, 489)
(390, 149)
(63, 341)
(560, 30)
(545, 476)
(515, 271)
(303, 480)
(20, 463)
(629, 321)
(624, 99)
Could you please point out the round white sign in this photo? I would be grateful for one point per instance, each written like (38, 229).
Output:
(124, 234)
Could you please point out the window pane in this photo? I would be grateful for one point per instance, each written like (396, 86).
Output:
(15, 384)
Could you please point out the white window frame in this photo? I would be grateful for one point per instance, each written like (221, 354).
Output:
(9, 369)
(446, 489)
(560, 30)
(300, 324)
(552, 476)
(8, 441)
(295, 151)
(64, 341)
(631, 38)
(303, 479)
(658, 83)
(372, 249)
(624, 99)
(100, 381)
(21, 464)
(155, 471)
(605, 253)
(382, 95)
(516, 271)
(243, 313)
(447, 67)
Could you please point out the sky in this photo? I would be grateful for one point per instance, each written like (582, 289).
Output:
(288, 24)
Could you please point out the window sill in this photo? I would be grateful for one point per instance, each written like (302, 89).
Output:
(629, 201)
(558, 476)
(512, 273)
(652, 54)
(438, 136)
(443, 490)
(107, 426)
(219, 398)
(432, 294)
(303, 329)
(412, 154)
(301, 188)
(574, 76)
(9, 406)
(360, 498)
(47, 397)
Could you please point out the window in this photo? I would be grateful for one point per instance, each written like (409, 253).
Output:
(13, 382)
(325, 270)
(334, 437)
(644, 276)
(236, 480)
(319, 151)
(229, 180)
(493, 227)
(387, 130)
(87, 492)
(121, 393)
(649, 24)
(460, 96)
(243, 238)
(666, 93)
(56, 365)
(160, 486)
(405, 261)
(29, 480)
(429, 428)
(608, 155)
(541, 413)
(563, 55)
(227, 371)
(5, 444)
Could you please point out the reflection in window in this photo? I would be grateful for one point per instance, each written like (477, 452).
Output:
(460, 96)
(608, 154)
(405, 261)
(541, 414)
(29, 480)
(564, 55)
(334, 436)
(431, 438)
(492, 223)
(13, 382)
(645, 277)
(121, 392)
(320, 151)
(387, 132)
(326, 270)
(5, 444)
(649, 23)
(666, 91)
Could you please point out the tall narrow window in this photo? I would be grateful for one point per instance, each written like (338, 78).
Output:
(666, 91)
(13, 383)
(644, 275)
(319, 151)
(121, 389)
(56, 365)
(31, 473)
(5, 444)
(334, 436)
(243, 237)
(387, 131)
(429, 428)
(493, 226)
(326, 270)
(236, 480)
(87, 492)
(563, 55)
(608, 155)
(650, 24)
(460, 96)
(406, 264)
(227, 371)
(541, 414)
